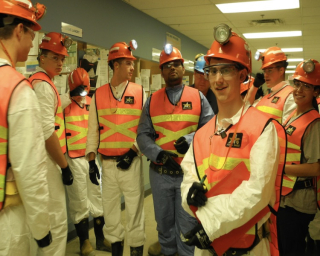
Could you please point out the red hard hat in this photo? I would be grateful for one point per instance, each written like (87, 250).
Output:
(167, 57)
(236, 49)
(120, 50)
(79, 77)
(272, 55)
(312, 77)
(55, 42)
(23, 9)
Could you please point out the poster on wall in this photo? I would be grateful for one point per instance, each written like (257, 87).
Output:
(174, 40)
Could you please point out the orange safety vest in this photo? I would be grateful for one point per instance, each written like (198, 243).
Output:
(170, 121)
(76, 121)
(224, 175)
(118, 120)
(10, 79)
(295, 132)
(59, 122)
(273, 105)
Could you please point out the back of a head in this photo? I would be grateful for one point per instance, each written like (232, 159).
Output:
(77, 78)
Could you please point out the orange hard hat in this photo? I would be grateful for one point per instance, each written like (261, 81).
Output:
(170, 53)
(308, 72)
(23, 9)
(235, 49)
(245, 86)
(56, 43)
(272, 55)
(79, 77)
(122, 50)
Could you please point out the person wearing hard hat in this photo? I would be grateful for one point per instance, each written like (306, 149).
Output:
(164, 134)
(202, 84)
(113, 119)
(51, 57)
(24, 192)
(299, 201)
(233, 165)
(84, 197)
(279, 103)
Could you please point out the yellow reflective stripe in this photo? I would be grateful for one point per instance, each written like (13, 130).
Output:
(293, 157)
(293, 146)
(77, 146)
(76, 118)
(2, 182)
(3, 148)
(289, 183)
(119, 144)
(59, 110)
(175, 118)
(3, 132)
(119, 111)
(171, 135)
(59, 121)
(176, 152)
(62, 142)
(121, 128)
(271, 110)
(252, 231)
(82, 133)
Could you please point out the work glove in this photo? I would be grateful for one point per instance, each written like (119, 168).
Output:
(258, 80)
(77, 91)
(181, 145)
(126, 159)
(94, 172)
(44, 242)
(196, 195)
(67, 177)
(198, 237)
(166, 158)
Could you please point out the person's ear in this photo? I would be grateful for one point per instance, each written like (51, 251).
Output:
(243, 75)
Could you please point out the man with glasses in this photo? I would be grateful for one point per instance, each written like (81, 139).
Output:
(167, 124)
(231, 167)
(112, 129)
(279, 103)
(202, 84)
(51, 57)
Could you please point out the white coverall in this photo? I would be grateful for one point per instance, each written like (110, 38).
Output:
(20, 224)
(57, 203)
(115, 182)
(226, 212)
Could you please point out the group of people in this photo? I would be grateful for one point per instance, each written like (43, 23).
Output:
(230, 175)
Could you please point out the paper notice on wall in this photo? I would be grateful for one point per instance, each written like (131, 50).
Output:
(145, 72)
(61, 83)
(104, 54)
(103, 72)
(145, 83)
(185, 80)
(156, 82)
(137, 80)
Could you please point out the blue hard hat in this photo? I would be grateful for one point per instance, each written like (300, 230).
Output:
(200, 63)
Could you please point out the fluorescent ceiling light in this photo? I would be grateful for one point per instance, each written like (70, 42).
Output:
(295, 60)
(256, 6)
(292, 67)
(285, 50)
(272, 34)
(290, 71)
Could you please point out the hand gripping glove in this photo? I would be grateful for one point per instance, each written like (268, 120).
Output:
(166, 158)
(126, 159)
(77, 91)
(94, 172)
(196, 195)
(198, 237)
(258, 80)
(181, 145)
(44, 242)
(67, 177)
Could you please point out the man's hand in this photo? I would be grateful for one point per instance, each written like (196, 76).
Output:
(166, 158)
(126, 159)
(94, 172)
(198, 237)
(181, 145)
(67, 177)
(196, 195)
(258, 80)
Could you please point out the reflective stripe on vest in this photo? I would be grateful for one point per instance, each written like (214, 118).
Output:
(76, 120)
(118, 120)
(10, 78)
(273, 105)
(295, 132)
(172, 122)
(210, 157)
(59, 122)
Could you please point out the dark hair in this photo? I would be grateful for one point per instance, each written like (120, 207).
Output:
(6, 31)
(314, 100)
(282, 64)
(42, 52)
(111, 63)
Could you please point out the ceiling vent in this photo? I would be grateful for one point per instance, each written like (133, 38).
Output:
(266, 22)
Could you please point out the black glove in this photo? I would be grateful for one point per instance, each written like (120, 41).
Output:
(181, 145)
(258, 80)
(77, 91)
(67, 177)
(166, 158)
(44, 242)
(94, 172)
(198, 237)
(126, 159)
(196, 195)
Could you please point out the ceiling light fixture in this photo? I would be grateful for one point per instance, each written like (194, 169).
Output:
(295, 60)
(272, 34)
(285, 50)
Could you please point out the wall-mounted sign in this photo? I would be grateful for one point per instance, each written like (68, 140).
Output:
(71, 30)
(156, 54)
(174, 40)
